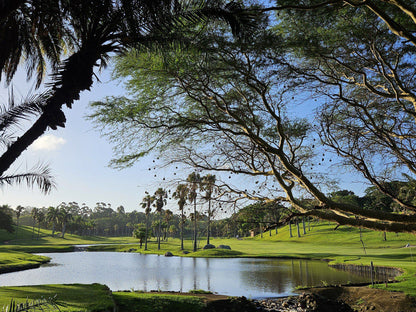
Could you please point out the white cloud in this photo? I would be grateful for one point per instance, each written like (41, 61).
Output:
(48, 142)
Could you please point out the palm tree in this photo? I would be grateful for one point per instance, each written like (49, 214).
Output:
(65, 215)
(208, 184)
(40, 218)
(93, 29)
(181, 194)
(160, 197)
(18, 212)
(194, 181)
(168, 216)
(10, 117)
(78, 224)
(147, 206)
(34, 213)
(53, 215)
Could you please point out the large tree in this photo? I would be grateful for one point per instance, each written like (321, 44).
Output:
(227, 110)
(36, 32)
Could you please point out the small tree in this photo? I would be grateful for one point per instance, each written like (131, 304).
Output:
(140, 233)
(147, 206)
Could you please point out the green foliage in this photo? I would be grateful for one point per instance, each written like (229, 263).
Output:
(14, 260)
(48, 304)
(6, 218)
(131, 302)
(140, 233)
(199, 291)
(73, 297)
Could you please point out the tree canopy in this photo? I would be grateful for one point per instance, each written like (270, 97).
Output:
(223, 105)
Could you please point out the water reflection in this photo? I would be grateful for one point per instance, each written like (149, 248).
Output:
(236, 277)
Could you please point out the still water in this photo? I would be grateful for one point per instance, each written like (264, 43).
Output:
(252, 278)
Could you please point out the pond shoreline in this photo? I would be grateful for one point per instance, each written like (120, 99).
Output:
(17, 268)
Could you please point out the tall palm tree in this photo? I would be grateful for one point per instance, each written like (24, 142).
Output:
(167, 217)
(65, 216)
(194, 181)
(18, 212)
(93, 29)
(181, 194)
(208, 184)
(34, 213)
(147, 206)
(33, 31)
(40, 218)
(53, 216)
(160, 198)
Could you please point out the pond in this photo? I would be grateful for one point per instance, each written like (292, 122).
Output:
(253, 278)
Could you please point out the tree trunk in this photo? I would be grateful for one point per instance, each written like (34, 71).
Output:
(74, 77)
(63, 229)
(17, 227)
(182, 229)
(158, 231)
(195, 228)
(304, 226)
(297, 226)
(209, 221)
(290, 229)
(147, 232)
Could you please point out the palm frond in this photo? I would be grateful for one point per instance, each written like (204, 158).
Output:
(12, 113)
(241, 20)
(35, 305)
(39, 176)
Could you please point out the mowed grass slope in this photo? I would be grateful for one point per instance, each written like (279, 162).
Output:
(75, 297)
(321, 241)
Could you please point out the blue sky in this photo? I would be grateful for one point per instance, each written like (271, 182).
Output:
(78, 158)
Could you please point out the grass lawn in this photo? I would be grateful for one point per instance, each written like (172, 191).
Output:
(145, 302)
(77, 297)
(320, 242)
(19, 261)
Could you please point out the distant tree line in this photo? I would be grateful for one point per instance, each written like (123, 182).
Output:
(156, 221)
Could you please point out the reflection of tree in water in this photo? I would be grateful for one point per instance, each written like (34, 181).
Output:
(283, 275)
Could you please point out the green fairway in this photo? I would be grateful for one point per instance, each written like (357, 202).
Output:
(342, 245)
(75, 297)
(145, 302)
